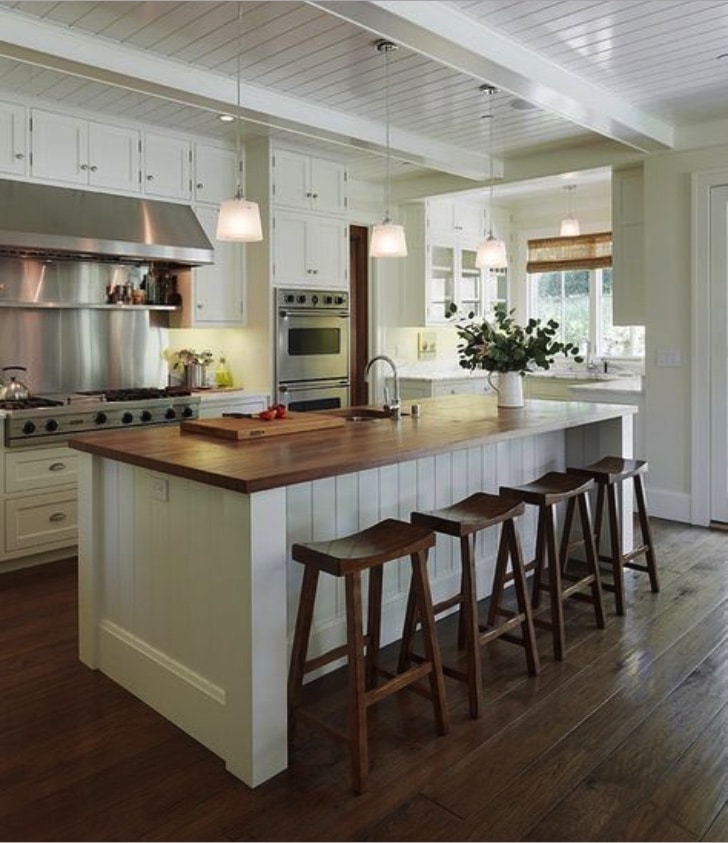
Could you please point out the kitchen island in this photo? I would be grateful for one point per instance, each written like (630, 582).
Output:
(187, 594)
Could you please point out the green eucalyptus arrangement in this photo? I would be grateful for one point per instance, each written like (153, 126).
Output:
(502, 345)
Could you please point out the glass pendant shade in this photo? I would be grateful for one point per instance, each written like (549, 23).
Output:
(388, 241)
(491, 253)
(239, 220)
(569, 227)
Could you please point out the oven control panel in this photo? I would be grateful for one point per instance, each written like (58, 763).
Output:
(308, 299)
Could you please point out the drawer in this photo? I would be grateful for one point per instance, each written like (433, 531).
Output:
(28, 469)
(453, 387)
(41, 520)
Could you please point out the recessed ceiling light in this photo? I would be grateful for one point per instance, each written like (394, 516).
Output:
(227, 118)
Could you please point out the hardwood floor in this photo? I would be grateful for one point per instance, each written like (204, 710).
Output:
(627, 739)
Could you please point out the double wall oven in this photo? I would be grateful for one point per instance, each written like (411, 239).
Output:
(312, 348)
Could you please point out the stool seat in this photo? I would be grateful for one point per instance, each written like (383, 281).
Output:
(470, 515)
(463, 520)
(348, 557)
(612, 469)
(546, 493)
(552, 488)
(389, 539)
(608, 473)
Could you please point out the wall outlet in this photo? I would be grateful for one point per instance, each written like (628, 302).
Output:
(159, 489)
(668, 358)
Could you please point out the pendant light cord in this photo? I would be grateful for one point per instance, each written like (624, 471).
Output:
(239, 193)
(387, 49)
(491, 91)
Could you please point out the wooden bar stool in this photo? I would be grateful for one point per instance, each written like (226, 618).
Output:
(464, 520)
(545, 493)
(347, 557)
(608, 473)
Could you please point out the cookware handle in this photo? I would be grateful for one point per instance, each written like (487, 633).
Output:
(14, 368)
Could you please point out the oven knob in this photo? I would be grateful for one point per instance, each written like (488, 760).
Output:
(100, 418)
(328, 300)
(146, 415)
(339, 300)
(127, 418)
(301, 299)
(169, 413)
(29, 427)
(289, 299)
(51, 425)
(187, 412)
(314, 299)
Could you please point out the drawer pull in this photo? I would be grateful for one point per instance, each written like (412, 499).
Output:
(58, 516)
(57, 466)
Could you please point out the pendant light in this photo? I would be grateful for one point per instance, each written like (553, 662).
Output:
(388, 240)
(569, 225)
(239, 219)
(491, 252)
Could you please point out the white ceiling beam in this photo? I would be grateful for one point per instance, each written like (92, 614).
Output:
(49, 46)
(450, 37)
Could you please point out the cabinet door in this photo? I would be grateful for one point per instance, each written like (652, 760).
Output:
(290, 250)
(113, 157)
(216, 173)
(218, 289)
(13, 139)
(166, 167)
(291, 179)
(441, 285)
(327, 241)
(59, 145)
(470, 283)
(328, 186)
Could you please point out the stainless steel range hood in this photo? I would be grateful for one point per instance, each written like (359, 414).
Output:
(56, 222)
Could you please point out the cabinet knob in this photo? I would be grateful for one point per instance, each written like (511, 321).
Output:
(19, 156)
(199, 185)
(200, 306)
(93, 168)
(150, 178)
(308, 194)
(84, 166)
(315, 195)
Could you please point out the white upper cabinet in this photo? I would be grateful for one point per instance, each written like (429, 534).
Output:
(83, 152)
(309, 250)
(213, 296)
(456, 218)
(13, 139)
(167, 167)
(216, 173)
(308, 183)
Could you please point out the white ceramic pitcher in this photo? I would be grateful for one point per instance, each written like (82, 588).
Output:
(509, 388)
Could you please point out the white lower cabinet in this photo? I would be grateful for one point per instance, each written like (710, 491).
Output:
(38, 510)
(412, 388)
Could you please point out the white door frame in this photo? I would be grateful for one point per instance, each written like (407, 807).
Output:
(700, 479)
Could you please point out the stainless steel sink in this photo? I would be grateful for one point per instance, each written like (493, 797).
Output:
(362, 414)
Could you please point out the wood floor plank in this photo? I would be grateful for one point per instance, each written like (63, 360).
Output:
(718, 830)
(628, 777)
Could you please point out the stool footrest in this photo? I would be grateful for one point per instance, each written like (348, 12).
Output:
(489, 633)
(328, 657)
(443, 605)
(397, 682)
(633, 554)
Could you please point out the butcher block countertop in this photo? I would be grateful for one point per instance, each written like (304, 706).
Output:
(445, 424)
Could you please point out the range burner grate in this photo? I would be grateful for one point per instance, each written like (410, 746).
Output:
(142, 393)
(34, 403)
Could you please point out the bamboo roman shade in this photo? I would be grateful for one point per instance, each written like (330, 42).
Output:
(585, 251)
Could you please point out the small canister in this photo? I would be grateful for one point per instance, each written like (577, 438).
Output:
(415, 410)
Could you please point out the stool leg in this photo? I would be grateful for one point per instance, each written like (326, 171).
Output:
(615, 538)
(593, 562)
(432, 649)
(646, 533)
(374, 624)
(512, 546)
(300, 641)
(540, 557)
(566, 533)
(408, 630)
(469, 625)
(598, 518)
(464, 587)
(357, 692)
(548, 515)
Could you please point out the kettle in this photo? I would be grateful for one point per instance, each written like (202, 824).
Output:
(15, 390)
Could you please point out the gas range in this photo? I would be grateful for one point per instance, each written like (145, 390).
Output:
(53, 419)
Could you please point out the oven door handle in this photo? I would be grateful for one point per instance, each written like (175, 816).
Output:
(321, 314)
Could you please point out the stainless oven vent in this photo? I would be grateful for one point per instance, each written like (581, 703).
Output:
(41, 221)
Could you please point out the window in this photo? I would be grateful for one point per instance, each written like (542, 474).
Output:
(570, 280)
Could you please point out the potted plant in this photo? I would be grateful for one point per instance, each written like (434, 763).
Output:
(502, 346)
(192, 363)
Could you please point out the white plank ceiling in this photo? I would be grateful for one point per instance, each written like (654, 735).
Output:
(619, 76)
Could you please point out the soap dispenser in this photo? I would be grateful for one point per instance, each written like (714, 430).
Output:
(223, 377)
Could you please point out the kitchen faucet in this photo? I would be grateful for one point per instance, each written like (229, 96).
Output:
(394, 405)
(591, 364)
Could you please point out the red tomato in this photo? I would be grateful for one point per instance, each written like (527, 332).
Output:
(267, 415)
(281, 411)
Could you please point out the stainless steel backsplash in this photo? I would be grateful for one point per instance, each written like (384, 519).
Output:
(48, 325)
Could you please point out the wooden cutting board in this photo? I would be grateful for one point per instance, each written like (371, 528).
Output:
(231, 428)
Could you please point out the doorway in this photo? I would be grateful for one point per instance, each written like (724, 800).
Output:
(359, 301)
